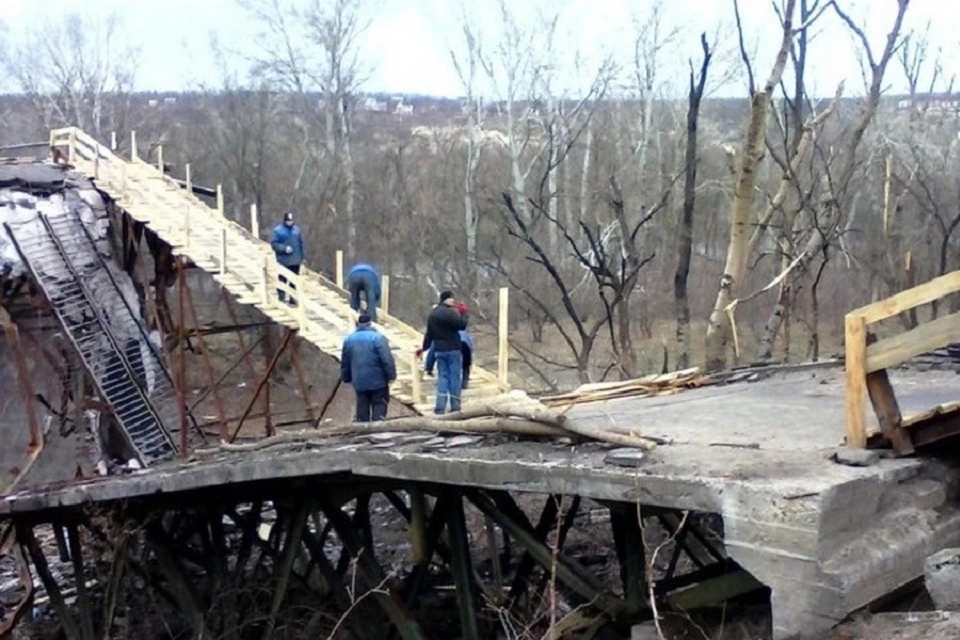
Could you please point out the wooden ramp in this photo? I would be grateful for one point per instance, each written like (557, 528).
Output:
(245, 265)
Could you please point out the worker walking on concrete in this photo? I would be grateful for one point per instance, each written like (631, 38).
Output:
(444, 325)
(287, 243)
(368, 364)
(364, 278)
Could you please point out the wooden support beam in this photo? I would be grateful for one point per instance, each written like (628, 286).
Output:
(503, 338)
(856, 359)
(339, 269)
(189, 180)
(254, 221)
(160, 159)
(385, 294)
(113, 141)
(133, 145)
(886, 408)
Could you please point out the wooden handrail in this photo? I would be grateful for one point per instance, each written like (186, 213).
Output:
(864, 360)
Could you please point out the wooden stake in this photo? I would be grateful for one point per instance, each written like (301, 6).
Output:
(301, 305)
(503, 344)
(385, 294)
(339, 271)
(133, 145)
(189, 181)
(417, 390)
(223, 250)
(113, 141)
(220, 199)
(160, 158)
(72, 148)
(254, 221)
(264, 293)
(856, 361)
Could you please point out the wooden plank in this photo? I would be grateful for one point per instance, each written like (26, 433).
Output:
(887, 409)
(385, 294)
(896, 349)
(339, 269)
(503, 338)
(856, 351)
(905, 300)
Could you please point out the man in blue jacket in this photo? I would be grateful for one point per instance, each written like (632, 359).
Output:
(364, 278)
(287, 243)
(367, 364)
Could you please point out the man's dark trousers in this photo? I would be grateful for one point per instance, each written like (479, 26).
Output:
(372, 405)
(283, 294)
(366, 283)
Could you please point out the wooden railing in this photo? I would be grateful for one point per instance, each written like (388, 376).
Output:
(244, 263)
(867, 359)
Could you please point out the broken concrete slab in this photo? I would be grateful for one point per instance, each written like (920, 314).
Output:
(941, 573)
(856, 457)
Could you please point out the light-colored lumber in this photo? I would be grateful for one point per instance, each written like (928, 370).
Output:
(503, 337)
(244, 264)
(856, 351)
(385, 294)
(925, 337)
(914, 297)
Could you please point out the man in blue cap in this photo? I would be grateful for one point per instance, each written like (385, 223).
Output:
(364, 278)
(287, 243)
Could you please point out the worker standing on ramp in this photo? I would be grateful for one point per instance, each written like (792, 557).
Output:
(444, 325)
(367, 364)
(287, 244)
(364, 278)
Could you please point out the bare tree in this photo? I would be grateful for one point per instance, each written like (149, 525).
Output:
(697, 84)
(74, 73)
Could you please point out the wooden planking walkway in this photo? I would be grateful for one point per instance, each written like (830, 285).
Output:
(244, 264)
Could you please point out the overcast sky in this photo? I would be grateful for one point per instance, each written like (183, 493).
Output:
(407, 44)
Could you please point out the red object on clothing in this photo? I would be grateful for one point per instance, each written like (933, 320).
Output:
(462, 308)
(419, 351)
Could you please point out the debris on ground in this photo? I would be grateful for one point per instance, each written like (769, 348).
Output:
(659, 384)
(941, 574)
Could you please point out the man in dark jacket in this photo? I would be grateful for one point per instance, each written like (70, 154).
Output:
(444, 325)
(364, 278)
(466, 355)
(287, 243)
(367, 364)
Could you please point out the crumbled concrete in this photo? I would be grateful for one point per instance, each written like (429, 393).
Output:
(645, 631)
(942, 578)
(855, 457)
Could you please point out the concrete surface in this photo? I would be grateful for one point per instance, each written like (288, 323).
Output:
(827, 539)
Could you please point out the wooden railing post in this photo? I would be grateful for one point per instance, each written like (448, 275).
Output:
(113, 141)
(385, 294)
(186, 228)
(189, 180)
(72, 147)
(339, 269)
(133, 146)
(223, 250)
(301, 303)
(220, 199)
(254, 221)
(416, 382)
(503, 337)
(855, 337)
(264, 277)
(160, 159)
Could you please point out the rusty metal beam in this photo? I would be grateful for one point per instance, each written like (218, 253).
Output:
(302, 380)
(208, 366)
(264, 380)
(26, 386)
(225, 374)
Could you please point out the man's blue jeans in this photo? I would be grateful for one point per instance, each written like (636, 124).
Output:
(449, 381)
(366, 283)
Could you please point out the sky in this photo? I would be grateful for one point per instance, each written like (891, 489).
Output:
(406, 47)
